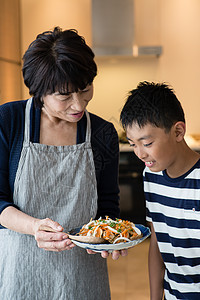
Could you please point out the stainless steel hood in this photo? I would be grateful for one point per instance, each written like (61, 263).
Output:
(113, 30)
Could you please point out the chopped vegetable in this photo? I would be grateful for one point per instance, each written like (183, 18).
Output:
(114, 231)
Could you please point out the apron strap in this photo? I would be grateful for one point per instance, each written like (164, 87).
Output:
(27, 122)
(88, 130)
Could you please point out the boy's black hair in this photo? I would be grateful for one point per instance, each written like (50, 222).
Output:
(55, 60)
(153, 103)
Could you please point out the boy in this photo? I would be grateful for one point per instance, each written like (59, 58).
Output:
(155, 127)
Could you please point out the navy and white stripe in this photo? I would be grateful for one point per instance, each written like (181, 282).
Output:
(173, 205)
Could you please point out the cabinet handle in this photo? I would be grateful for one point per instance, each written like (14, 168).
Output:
(130, 175)
(135, 174)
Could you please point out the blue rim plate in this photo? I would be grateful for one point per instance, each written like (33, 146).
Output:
(110, 247)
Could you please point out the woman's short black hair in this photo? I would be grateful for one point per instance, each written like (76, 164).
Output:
(55, 60)
(153, 103)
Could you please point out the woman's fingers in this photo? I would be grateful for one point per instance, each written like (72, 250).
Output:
(56, 245)
(42, 235)
(90, 251)
(124, 252)
(49, 224)
(49, 236)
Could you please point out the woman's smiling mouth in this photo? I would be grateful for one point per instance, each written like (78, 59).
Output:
(77, 115)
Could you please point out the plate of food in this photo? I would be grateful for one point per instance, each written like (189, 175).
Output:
(113, 234)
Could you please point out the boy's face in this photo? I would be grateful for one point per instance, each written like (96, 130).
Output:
(156, 148)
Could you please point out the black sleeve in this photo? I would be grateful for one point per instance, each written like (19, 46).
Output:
(7, 127)
(5, 194)
(106, 158)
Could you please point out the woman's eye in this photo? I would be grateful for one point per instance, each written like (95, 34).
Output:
(65, 98)
(84, 91)
(132, 145)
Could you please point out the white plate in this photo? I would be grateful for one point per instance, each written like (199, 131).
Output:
(110, 247)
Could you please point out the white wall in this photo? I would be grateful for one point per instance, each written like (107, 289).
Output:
(116, 77)
(180, 62)
(179, 65)
(42, 15)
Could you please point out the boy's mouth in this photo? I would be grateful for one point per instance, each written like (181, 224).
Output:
(149, 164)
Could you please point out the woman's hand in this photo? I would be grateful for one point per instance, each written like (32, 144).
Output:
(52, 238)
(115, 254)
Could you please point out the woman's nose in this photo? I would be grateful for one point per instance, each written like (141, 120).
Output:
(77, 102)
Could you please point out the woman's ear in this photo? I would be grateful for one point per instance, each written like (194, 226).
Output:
(179, 129)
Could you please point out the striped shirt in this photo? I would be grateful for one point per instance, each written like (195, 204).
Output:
(173, 205)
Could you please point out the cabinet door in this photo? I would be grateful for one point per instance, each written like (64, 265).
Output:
(10, 30)
(10, 54)
(10, 82)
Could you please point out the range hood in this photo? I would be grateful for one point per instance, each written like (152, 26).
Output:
(113, 30)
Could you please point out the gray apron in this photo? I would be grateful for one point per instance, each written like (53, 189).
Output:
(57, 182)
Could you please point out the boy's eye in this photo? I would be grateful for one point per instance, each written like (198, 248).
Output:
(132, 145)
(147, 145)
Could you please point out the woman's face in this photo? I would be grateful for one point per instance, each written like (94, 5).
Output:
(69, 107)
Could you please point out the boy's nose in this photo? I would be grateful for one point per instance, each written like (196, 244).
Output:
(141, 153)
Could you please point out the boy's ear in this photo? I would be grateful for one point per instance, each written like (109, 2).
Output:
(179, 129)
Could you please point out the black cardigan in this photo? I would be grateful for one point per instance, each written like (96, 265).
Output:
(104, 140)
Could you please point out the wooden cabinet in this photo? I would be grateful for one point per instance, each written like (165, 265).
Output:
(10, 53)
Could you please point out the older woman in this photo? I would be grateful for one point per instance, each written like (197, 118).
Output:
(58, 168)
